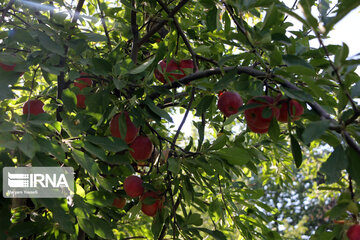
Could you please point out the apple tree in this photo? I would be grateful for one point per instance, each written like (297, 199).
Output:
(268, 144)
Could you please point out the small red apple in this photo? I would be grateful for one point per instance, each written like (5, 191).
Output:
(83, 81)
(176, 70)
(133, 186)
(34, 107)
(151, 209)
(142, 148)
(254, 116)
(229, 103)
(354, 232)
(294, 108)
(131, 129)
(257, 130)
(119, 202)
(80, 103)
(7, 68)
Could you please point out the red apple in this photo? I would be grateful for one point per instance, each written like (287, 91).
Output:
(80, 103)
(83, 81)
(176, 70)
(254, 116)
(34, 107)
(131, 129)
(119, 202)
(257, 130)
(354, 232)
(229, 103)
(150, 209)
(142, 148)
(7, 68)
(133, 186)
(295, 109)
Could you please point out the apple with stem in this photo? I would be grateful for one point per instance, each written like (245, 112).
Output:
(33, 107)
(290, 108)
(259, 117)
(142, 148)
(150, 209)
(119, 202)
(133, 186)
(83, 81)
(229, 103)
(131, 130)
(174, 70)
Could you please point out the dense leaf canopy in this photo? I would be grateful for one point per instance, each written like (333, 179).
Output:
(214, 176)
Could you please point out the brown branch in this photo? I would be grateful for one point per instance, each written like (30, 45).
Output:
(158, 26)
(61, 85)
(182, 34)
(104, 25)
(184, 119)
(8, 6)
(135, 32)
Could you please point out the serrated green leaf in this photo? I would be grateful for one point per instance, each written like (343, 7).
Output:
(274, 130)
(234, 155)
(142, 67)
(211, 19)
(314, 130)
(102, 228)
(28, 145)
(174, 165)
(111, 144)
(85, 162)
(334, 164)
(296, 151)
(158, 111)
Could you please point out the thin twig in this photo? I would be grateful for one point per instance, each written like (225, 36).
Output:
(135, 33)
(8, 6)
(104, 25)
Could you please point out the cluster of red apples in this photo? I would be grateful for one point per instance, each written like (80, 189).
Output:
(141, 150)
(173, 70)
(258, 118)
(82, 83)
(151, 201)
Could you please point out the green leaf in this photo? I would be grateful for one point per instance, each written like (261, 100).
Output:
(99, 198)
(204, 104)
(87, 226)
(292, 60)
(69, 99)
(28, 145)
(7, 141)
(10, 59)
(94, 37)
(60, 210)
(98, 152)
(234, 155)
(23, 229)
(174, 165)
(297, 94)
(111, 144)
(219, 142)
(101, 66)
(211, 19)
(85, 162)
(50, 45)
(354, 164)
(296, 151)
(334, 164)
(216, 234)
(194, 219)
(225, 80)
(142, 67)
(314, 130)
(51, 147)
(158, 111)
(271, 17)
(274, 130)
(102, 228)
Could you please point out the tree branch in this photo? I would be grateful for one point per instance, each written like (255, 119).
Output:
(8, 6)
(158, 26)
(104, 25)
(135, 32)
